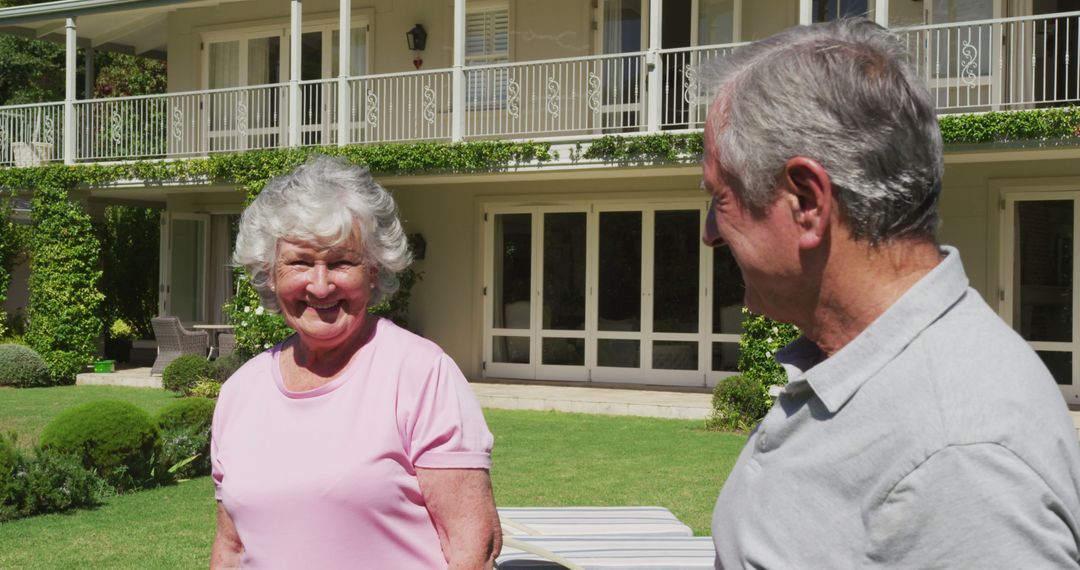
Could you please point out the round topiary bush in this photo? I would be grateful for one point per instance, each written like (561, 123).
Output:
(180, 375)
(739, 402)
(187, 413)
(117, 440)
(21, 366)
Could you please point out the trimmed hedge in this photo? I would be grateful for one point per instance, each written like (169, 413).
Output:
(64, 298)
(181, 374)
(739, 402)
(21, 366)
(186, 413)
(117, 440)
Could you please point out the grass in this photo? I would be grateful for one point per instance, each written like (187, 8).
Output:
(26, 411)
(540, 459)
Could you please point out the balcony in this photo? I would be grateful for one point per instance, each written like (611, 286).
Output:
(1001, 64)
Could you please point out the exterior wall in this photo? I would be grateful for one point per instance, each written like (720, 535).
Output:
(447, 305)
(763, 19)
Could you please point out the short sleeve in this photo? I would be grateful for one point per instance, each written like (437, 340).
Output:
(971, 506)
(217, 472)
(446, 427)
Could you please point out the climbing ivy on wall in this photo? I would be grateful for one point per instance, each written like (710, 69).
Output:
(64, 274)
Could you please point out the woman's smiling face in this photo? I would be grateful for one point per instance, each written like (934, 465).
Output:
(322, 292)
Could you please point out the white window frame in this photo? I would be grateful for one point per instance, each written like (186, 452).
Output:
(491, 98)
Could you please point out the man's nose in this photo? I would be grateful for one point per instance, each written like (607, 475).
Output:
(711, 234)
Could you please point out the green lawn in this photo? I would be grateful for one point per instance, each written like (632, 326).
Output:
(541, 458)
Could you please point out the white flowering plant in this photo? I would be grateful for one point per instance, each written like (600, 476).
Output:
(256, 328)
(760, 340)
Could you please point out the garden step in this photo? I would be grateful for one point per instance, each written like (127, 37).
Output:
(132, 377)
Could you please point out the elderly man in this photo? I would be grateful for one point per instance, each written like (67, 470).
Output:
(917, 430)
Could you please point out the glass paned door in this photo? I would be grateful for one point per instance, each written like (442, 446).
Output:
(562, 335)
(1040, 273)
(187, 256)
(511, 296)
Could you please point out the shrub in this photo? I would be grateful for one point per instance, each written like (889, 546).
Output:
(121, 330)
(739, 402)
(64, 298)
(48, 482)
(194, 413)
(180, 375)
(116, 439)
(185, 436)
(206, 388)
(760, 340)
(226, 366)
(8, 455)
(21, 366)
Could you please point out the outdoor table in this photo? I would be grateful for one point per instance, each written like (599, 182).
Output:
(214, 331)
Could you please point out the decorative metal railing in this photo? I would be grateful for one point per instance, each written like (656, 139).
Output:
(587, 95)
(1007, 63)
(31, 134)
(685, 99)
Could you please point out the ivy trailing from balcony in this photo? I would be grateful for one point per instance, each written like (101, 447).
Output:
(1036, 125)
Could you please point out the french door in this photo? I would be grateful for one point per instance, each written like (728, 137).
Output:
(1038, 274)
(185, 240)
(608, 293)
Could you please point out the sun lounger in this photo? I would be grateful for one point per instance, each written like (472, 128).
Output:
(586, 521)
(606, 553)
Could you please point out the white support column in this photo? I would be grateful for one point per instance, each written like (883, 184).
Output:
(806, 12)
(655, 65)
(457, 119)
(344, 67)
(881, 13)
(295, 32)
(69, 92)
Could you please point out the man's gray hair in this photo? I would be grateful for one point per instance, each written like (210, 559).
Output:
(329, 202)
(844, 95)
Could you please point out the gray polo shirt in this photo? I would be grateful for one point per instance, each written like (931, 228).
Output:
(935, 439)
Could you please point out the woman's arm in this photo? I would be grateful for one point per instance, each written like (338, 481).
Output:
(463, 508)
(227, 546)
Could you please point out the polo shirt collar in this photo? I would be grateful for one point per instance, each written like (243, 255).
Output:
(836, 379)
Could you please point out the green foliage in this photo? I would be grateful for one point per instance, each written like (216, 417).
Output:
(226, 366)
(760, 340)
(20, 366)
(1010, 126)
(185, 436)
(120, 330)
(396, 306)
(738, 404)
(129, 260)
(122, 75)
(8, 457)
(256, 328)
(64, 299)
(646, 149)
(186, 413)
(205, 388)
(48, 482)
(31, 71)
(180, 375)
(117, 440)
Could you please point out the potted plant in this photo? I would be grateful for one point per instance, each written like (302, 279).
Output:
(118, 342)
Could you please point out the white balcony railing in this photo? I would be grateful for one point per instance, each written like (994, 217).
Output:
(1008, 63)
(587, 95)
(31, 134)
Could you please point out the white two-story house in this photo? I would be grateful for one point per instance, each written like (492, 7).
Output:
(572, 270)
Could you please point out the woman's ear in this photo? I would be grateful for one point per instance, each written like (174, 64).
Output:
(811, 199)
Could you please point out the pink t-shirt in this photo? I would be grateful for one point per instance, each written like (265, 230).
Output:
(326, 478)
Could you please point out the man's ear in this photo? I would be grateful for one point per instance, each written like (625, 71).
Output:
(811, 197)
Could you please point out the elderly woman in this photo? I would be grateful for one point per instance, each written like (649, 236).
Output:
(353, 443)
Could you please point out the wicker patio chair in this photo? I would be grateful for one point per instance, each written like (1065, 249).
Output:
(226, 343)
(173, 341)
